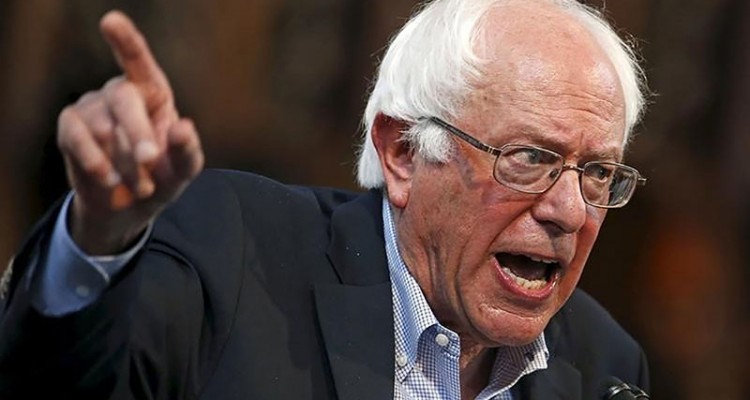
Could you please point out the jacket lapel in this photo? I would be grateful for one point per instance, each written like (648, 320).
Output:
(356, 317)
(358, 334)
(560, 381)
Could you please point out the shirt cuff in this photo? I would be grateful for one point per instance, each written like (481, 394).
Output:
(72, 279)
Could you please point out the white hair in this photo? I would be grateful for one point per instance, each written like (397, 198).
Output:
(432, 64)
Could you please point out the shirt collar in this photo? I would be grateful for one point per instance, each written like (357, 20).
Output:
(412, 314)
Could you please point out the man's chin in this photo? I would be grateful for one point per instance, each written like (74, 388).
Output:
(510, 329)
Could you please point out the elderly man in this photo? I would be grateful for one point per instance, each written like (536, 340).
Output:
(495, 135)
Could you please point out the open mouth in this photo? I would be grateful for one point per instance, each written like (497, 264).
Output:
(528, 272)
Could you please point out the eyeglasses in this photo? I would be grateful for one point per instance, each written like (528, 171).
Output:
(532, 169)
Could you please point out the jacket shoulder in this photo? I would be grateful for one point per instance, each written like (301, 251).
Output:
(587, 336)
(221, 200)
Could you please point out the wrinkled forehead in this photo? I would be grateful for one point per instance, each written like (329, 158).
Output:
(537, 42)
(541, 59)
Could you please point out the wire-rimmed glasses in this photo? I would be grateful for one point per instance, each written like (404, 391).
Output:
(533, 169)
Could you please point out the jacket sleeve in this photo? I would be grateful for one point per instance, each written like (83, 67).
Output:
(154, 333)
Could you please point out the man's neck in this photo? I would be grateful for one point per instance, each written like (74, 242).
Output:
(475, 366)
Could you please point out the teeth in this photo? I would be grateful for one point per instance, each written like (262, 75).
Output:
(542, 261)
(523, 282)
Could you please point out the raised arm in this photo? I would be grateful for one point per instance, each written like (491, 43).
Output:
(127, 151)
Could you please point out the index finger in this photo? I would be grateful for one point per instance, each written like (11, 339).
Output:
(134, 56)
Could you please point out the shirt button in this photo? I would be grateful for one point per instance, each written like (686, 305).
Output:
(442, 340)
(401, 360)
(83, 291)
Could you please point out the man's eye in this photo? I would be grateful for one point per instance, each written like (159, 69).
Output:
(530, 156)
(533, 156)
(600, 172)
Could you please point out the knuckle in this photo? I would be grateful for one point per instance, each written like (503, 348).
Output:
(94, 166)
(121, 93)
(97, 117)
(113, 82)
(158, 95)
(66, 115)
(102, 126)
(91, 103)
(88, 98)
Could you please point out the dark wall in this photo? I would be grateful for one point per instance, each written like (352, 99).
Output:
(278, 87)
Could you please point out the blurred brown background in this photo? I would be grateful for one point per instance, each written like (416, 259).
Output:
(278, 87)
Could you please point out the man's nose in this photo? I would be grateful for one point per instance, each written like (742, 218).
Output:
(563, 203)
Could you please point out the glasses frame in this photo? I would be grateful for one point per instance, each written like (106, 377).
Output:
(497, 151)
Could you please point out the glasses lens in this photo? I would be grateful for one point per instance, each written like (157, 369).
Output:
(528, 169)
(608, 184)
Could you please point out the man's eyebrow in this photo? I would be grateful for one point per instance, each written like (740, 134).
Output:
(605, 154)
(534, 135)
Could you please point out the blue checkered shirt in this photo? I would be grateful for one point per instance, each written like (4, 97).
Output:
(427, 353)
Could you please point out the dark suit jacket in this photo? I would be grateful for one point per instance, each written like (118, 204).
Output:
(249, 289)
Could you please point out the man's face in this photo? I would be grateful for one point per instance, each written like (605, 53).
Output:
(496, 264)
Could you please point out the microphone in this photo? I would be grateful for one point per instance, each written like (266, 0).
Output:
(619, 390)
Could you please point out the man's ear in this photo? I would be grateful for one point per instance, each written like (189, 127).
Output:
(396, 157)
